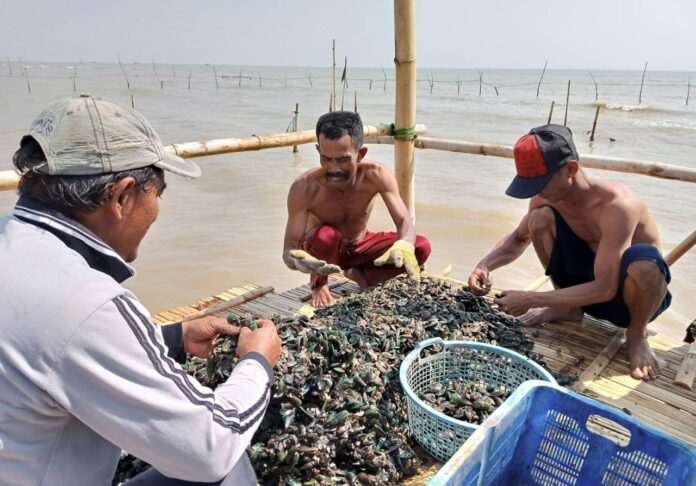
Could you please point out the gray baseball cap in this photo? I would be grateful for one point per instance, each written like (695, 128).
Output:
(90, 135)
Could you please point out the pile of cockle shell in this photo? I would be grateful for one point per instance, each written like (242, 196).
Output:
(338, 413)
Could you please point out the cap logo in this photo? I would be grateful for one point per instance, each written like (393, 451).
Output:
(529, 160)
(43, 125)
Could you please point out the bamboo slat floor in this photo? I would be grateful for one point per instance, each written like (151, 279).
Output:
(567, 348)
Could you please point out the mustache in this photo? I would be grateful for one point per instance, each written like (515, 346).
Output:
(340, 175)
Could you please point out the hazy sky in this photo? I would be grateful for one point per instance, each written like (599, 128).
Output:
(598, 34)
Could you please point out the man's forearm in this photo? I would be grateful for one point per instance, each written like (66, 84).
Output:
(575, 296)
(507, 251)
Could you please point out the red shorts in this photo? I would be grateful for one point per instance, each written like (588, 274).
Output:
(326, 243)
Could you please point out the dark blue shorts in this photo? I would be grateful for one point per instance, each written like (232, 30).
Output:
(572, 263)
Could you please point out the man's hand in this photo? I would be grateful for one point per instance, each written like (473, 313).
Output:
(306, 263)
(480, 282)
(513, 302)
(401, 254)
(263, 340)
(200, 335)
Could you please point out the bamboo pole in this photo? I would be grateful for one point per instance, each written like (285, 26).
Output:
(594, 124)
(355, 104)
(551, 112)
(26, 73)
(640, 94)
(189, 81)
(9, 179)
(74, 86)
(565, 118)
(651, 168)
(132, 101)
(384, 73)
(217, 86)
(9, 67)
(297, 125)
(118, 56)
(405, 61)
(688, 91)
(596, 89)
(333, 75)
(480, 81)
(240, 299)
(681, 249)
(541, 78)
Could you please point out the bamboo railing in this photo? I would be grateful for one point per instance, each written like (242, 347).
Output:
(9, 179)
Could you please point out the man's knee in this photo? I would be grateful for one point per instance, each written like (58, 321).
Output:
(422, 249)
(645, 274)
(323, 240)
(541, 221)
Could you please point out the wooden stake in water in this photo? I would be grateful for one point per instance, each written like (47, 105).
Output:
(480, 81)
(123, 71)
(594, 124)
(26, 73)
(333, 75)
(162, 84)
(9, 66)
(355, 104)
(285, 72)
(688, 89)
(551, 112)
(565, 118)
(297, 125)
(385, 79)
(217, 86)
(459, 84)
(431, 81)
(309, 78)
(640, 94)
(174, 71)
(596, 90)
(331, 102)
(240, 77)
(21, 66)
(260, 78)
(541, 78)
(132, 102)
(189, 81)
(74, 88)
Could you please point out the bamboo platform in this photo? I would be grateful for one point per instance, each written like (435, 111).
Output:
(570, 348)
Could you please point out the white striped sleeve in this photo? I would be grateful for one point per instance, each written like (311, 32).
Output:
(116, 377)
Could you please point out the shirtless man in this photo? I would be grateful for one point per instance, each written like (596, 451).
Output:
(328, 210)
(596, 240)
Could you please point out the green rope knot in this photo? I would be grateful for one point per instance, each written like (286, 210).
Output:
(402, 132)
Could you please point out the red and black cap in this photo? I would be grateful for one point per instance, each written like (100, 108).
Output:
(537, 156)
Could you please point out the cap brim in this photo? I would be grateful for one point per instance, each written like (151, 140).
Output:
(177, 165)
(526, 187)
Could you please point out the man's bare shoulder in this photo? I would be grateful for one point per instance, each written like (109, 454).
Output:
(620, 197)
(374, 171)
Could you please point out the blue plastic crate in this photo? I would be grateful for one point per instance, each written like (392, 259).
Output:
(546, 435)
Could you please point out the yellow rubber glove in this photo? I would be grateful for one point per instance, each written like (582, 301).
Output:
(306, 263)
(401, 254)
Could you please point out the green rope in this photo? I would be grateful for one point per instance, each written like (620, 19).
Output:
(402, 132)
(292, 126)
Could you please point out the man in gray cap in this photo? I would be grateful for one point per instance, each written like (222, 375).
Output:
(596, 240)
(84, 372)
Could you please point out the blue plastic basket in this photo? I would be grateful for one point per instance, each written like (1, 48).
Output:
(458, 362)
(547, 435)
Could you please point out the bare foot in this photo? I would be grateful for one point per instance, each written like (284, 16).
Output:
(356, 276)
(547, 314)
(321, 297)
(643, 362)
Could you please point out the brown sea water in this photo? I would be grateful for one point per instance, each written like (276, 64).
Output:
(227, 227)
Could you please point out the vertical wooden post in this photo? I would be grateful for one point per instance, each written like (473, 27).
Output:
(480, 81)
(241, 71)
(309, 77)
(541, 78)
(688, 90)
(217, 86)
(74, 87)
(458, 84)
(189, 81)
(123, 71)
(596, 90)
(331, 102)
(405, 61)
(565, 118)
(333, 76)
(26, 73)
(355, 106)
(640, 94)
(384, 73)
(132, 102)
(594, 124)
(9, 66)
(551, 112)
(297, 125)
